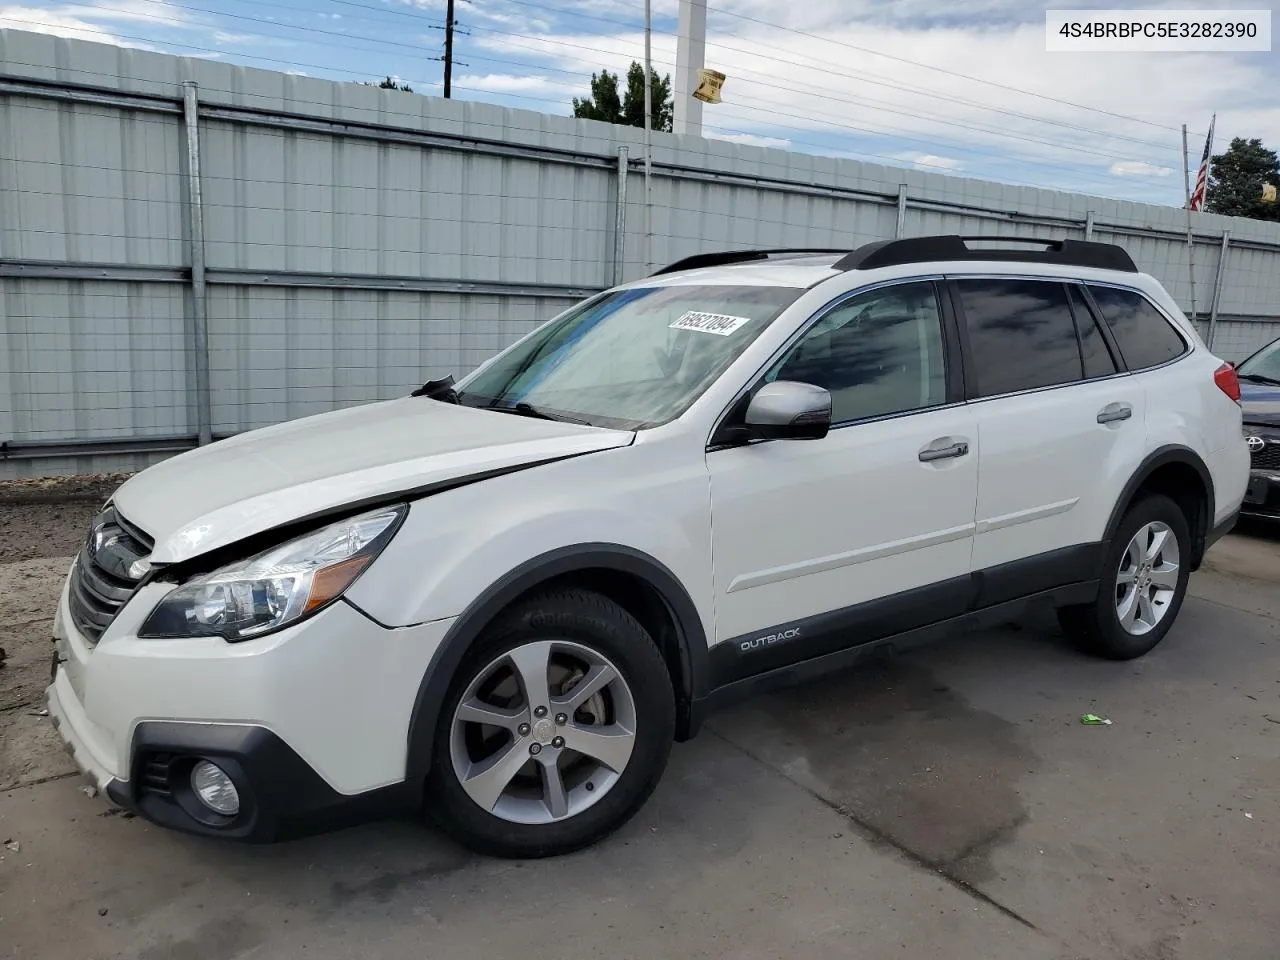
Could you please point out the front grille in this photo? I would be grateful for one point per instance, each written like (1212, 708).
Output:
(1267, 457)
(106, 572)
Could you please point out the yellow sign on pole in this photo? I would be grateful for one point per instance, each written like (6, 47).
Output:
(709, 84)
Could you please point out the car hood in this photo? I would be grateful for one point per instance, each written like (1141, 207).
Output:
(219, 494)
(1260, 403)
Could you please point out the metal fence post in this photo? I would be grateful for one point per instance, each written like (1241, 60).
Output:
(195, 224)
(1217, 287)
(902, 211)
(1088, 225)
(620, 218)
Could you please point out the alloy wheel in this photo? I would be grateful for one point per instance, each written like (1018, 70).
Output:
(543, 732)
(1147, 580)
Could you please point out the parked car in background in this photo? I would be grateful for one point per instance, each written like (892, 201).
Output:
(1260, 402)
(503, 601)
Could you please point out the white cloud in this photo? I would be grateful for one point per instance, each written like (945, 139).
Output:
(1137, 168)
(824, 89)
(823, 96)
(531, 86)
(128, 11)
(930, 161)
(55, 23)
(221, 36)
(751, 139)
(97, 22)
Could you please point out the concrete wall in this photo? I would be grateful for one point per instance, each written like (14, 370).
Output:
(359, 241)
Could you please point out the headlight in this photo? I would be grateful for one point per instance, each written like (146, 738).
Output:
(255, 596)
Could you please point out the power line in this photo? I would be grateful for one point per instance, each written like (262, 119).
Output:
(448, 58)
(923, 91)
(891, 132)
(560, 102)
(809, 91)
(345, 36)
(96, 34)
(952, 73)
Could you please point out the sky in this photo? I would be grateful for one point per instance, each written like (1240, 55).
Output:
(961, 87)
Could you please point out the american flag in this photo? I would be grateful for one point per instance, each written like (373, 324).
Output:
(1202, 178)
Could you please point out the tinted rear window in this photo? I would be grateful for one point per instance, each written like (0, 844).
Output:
(1144, 336)
(1021, 335)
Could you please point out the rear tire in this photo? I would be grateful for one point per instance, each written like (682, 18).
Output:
(555, 730)
(1142, 586)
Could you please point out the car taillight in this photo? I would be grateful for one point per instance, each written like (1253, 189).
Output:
(1227, 381)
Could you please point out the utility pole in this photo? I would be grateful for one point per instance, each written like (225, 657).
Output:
(448, 50)
(691, 53)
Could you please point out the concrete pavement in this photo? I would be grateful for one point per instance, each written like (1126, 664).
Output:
(946, 803)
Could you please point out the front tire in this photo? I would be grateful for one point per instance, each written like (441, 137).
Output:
(1143, 583)
(555, 730)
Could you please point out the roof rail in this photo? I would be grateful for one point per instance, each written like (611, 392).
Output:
(1073, 253)
(699, 260)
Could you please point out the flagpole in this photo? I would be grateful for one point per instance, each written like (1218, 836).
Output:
(1191, 244)
(648, 141)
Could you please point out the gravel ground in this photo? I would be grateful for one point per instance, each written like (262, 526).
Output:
(48, 516)
(42, 522)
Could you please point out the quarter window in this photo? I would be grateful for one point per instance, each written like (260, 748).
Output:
(1021, 334)
(1142, 333)
(878, 353)
(1098, 361)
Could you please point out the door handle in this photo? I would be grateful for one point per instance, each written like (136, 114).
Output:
(1115, 412)
(930, 454)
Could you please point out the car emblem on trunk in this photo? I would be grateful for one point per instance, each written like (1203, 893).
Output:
(1255, 443)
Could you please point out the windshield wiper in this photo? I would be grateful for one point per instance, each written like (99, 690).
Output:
(528, 410)
(1259, 378)
(438, 390)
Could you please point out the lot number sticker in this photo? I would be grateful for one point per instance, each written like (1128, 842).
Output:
(718, 323)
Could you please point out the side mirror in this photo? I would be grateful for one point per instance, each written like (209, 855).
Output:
(787, 410)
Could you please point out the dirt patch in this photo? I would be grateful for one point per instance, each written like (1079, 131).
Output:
(83, 486)
(30, 530)
(43, 522)
(25, 673)
(29, 746)
(48, 516)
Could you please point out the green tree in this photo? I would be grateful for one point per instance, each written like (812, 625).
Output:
(604, 103)
(390, 84)
(1236, 178)
(607, 105)
(661, 106)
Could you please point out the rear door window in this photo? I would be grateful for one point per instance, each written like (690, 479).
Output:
(1145, 338)
(1021, 335)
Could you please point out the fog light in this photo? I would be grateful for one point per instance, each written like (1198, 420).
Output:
(215, 789)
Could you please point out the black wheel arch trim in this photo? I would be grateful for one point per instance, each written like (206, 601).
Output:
(1161, 457)
(691, 638)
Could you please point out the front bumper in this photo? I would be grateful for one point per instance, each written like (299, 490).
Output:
(311, 722)
(1262, 498)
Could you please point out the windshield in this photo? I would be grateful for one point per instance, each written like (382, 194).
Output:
(1264, 363)
(630, 358)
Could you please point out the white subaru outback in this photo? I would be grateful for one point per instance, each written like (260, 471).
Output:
(501, 601)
